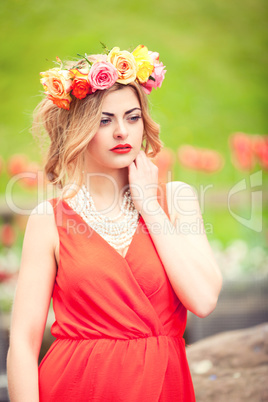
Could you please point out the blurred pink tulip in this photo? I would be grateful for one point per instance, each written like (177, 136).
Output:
(164, 161)
(260, 149)
(8, 235)
(16, 164)
(5, 276)
(242, 155)
(211, 161)
(30, 172)
(206, 160)
(35, 173)
(249, 149)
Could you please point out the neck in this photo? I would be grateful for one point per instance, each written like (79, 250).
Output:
(107, 185)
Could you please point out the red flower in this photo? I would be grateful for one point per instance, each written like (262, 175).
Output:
(81, 85)
(242, 151)
(211, 161)
(62, 103)
(188, 156)
(17, 164)
(8, 235)
(260, 148)
(206, 160)
(164, 161)
(32, 174)
(80, 88)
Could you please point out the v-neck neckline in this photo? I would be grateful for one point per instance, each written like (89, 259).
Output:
(102, 239)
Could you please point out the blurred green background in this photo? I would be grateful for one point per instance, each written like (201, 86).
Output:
(215, 85)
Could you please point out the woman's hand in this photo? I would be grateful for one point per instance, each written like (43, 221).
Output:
(143, 182)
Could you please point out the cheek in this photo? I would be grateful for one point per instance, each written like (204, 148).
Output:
(94, 143)
(139, 129)
(142, 126)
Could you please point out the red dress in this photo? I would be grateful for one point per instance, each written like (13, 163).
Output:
(119, 324)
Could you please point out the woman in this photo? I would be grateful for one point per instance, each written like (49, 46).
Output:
(121, 278)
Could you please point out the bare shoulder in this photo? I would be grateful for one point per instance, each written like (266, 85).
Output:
(182, 200)
(44, 208)
(179, 186)
(42, 219)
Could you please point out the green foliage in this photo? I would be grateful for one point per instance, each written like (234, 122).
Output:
(215, 57)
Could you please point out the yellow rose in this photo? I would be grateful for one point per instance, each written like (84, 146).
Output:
(57, 84)
(144, 63)
(125, 64)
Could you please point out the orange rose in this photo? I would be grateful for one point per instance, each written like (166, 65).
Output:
(57, 84)
(81, 85)
(125, 64)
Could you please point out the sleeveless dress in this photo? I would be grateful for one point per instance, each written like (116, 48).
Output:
(118, 322)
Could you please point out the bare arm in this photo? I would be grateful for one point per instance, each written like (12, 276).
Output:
(31, 304)
(184, 251)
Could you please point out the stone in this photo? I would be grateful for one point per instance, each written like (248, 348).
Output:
(231, 366)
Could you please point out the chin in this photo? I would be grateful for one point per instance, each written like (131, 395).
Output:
(124, 164)
(123, 160)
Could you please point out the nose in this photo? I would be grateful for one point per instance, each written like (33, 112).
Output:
(120, 130)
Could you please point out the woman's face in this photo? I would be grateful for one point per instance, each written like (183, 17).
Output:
(121, 123)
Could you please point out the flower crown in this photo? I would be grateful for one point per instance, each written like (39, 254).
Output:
(101, 71)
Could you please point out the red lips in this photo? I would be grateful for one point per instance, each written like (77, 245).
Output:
(122, 149)
(120, 146)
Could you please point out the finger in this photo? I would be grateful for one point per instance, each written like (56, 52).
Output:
(146, 158)
(141, 157)
(132, 166)
(142, 153)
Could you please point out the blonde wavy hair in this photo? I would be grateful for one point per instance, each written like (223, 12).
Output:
(71, 131)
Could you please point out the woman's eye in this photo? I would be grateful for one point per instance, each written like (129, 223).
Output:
(135, 118)
(104, 122)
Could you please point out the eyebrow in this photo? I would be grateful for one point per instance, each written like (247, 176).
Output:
(128, 112)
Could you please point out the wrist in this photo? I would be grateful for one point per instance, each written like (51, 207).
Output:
(150, 208)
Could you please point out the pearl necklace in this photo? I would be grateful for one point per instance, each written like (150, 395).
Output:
(118, 233)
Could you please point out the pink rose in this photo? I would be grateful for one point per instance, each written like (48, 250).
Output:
(158, 75)
(102, 75)
(154, 56)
